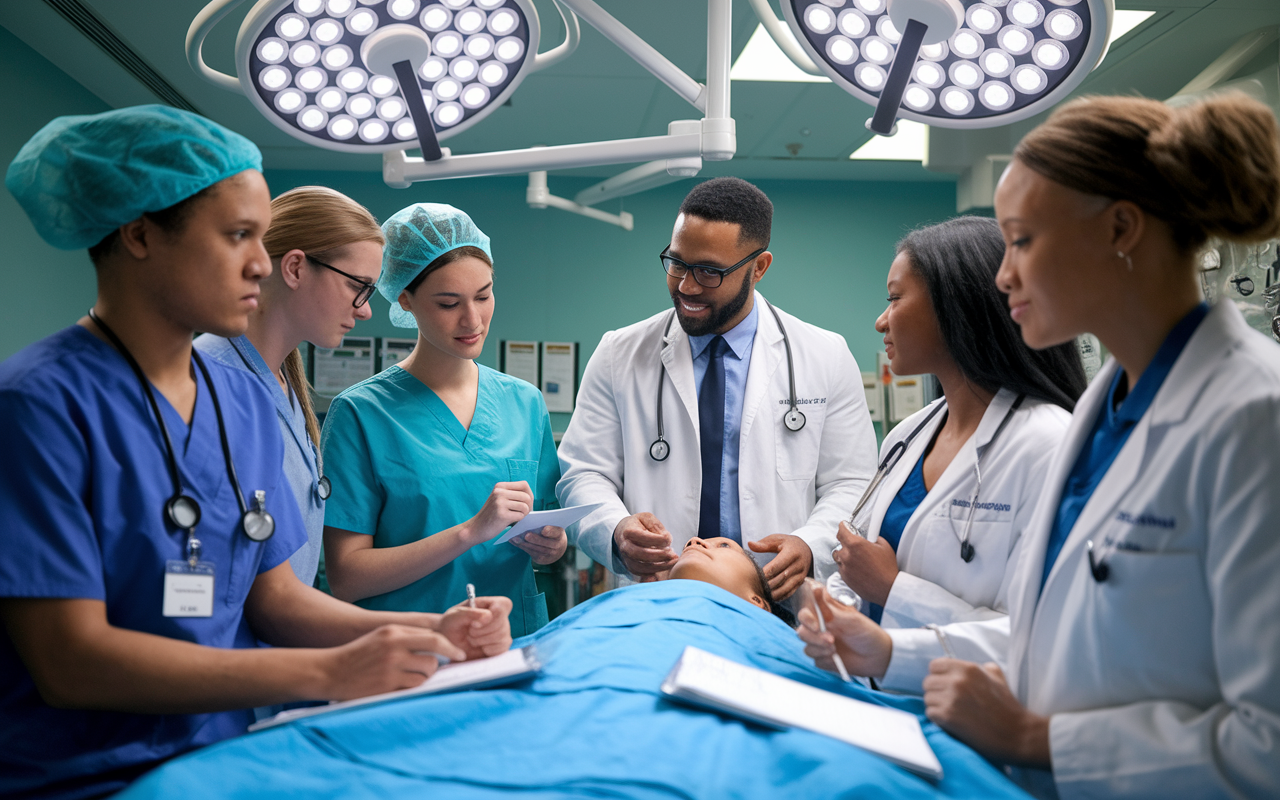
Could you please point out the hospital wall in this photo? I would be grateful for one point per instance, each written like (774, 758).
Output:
(559, 277)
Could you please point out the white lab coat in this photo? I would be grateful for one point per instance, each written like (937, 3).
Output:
(801, 482)
(935, 585)
(1164, 680)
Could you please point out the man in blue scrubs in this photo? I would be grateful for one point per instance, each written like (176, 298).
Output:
(133, 621)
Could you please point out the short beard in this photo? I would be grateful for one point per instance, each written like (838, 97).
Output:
(718, 316)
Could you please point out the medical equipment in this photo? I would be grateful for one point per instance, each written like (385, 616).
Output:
(951, 64)
(793, 419)
(886, 465)
(1098, 565)
(182, 510)
(966, 547)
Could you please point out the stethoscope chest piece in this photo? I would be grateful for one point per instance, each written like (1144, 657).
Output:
(324, 487)
(182, 511)
(659, 450)
(794, 420)
(966, 551)
(258, 524)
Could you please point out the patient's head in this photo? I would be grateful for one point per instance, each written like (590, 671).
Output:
(724, 563)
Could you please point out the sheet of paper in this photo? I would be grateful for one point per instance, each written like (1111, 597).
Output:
(520, 360)
(717, 682)
(511, 665)
(557, 518)
(559, 374)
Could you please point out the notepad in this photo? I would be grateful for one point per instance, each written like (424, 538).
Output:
(508, 667)
(710, 681)
(556, 518)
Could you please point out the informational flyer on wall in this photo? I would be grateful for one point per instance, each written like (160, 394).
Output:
(559, 375)
(335, 370)
(394, 350)
(519, 360)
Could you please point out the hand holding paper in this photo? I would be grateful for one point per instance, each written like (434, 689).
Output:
(555, 518)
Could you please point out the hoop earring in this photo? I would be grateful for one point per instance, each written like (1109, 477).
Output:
(1127, 260)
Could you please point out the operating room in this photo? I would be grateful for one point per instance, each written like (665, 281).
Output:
(939, 460)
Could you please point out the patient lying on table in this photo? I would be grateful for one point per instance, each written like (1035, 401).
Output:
(593, 722)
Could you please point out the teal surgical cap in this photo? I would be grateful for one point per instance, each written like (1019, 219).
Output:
(80, 178)
(416, 236)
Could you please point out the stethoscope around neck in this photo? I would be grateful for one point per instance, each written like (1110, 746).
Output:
(891, 459)
(793, 419)
(181, 509)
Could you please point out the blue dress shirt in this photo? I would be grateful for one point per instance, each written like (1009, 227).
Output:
(736, 363)
(1111, 430)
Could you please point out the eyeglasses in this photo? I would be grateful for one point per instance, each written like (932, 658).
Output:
(710, 277)
(366, 287)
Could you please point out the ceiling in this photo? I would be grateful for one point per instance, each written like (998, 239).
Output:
(599, 93)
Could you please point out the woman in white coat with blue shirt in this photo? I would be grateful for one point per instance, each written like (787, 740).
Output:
(1144, 657)
(962, 476)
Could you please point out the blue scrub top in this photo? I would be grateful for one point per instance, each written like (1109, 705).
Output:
(403, 467)
(301, 466)
(83, 485)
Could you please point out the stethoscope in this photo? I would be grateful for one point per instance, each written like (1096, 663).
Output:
(967, 550)
(324, 487)
(793, 420)
(181, 509)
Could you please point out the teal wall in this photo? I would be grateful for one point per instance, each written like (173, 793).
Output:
(559, 277)
(44, 289)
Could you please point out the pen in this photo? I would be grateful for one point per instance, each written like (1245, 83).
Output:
(822, 626)
(942, 639)
(471, 595)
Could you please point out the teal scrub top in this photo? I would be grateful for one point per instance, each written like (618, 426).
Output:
(403, 467)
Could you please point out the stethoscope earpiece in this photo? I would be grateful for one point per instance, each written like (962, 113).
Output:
(967, 552)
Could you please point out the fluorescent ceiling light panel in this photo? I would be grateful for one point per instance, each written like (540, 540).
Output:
(763, 60)
(908, 144)
(1125, 21)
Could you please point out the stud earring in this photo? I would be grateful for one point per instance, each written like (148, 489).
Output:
(1127, 260)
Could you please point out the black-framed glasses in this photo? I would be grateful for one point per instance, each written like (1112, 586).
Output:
(366, 287)
(707, 276)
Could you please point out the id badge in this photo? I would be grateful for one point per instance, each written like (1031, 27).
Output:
(188, 590)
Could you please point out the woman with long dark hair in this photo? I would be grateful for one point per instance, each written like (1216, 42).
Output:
(937, 536)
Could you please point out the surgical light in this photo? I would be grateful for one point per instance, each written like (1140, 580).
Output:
(953, 63)
(323, 70)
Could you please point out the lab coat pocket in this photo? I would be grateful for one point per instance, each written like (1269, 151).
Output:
(1157, 604)
(522, 470)
(798, 450)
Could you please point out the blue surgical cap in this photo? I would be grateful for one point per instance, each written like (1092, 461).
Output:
(80, 178)
(416, 236)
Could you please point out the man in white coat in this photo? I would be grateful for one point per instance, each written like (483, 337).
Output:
(739, 420)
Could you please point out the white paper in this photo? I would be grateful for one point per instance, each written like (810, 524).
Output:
(559, 374)
(395, 350)
(719, 683)
(556, 518)
(520, 360)
(344, 366)
(481, 672)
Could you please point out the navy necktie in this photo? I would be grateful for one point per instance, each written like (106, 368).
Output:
(711, 425)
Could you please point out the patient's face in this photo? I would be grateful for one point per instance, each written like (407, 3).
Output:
(724, 563)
